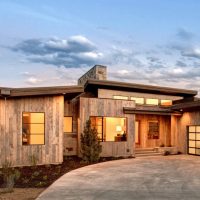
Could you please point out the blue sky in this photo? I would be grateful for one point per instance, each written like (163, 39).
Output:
(54, 42)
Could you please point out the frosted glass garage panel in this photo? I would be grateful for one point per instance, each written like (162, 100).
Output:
(197, 152)
(191, 136)
(192, 150)
(192, 143)
(198, 129)
(197, 144)
(192, 129)
(197, 136)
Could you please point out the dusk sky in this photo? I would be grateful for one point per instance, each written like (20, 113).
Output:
(53, 42)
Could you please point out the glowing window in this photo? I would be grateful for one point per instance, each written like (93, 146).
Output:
(32, 128)
(120, 97)
(110, 128)
(166, 102)
(67, 124)
(152, 101)
(138, 100)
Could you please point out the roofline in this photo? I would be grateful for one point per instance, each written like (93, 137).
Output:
(142, 87)
(35, 91)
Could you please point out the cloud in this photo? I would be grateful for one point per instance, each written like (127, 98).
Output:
(193, 52)
(184, 34)
(75, 51)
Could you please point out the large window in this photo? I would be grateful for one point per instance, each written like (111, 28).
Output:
(194, 140)
(68, 124)
(110, 128)
(32, 128)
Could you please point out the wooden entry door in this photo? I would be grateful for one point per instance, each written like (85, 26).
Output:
(137, 134)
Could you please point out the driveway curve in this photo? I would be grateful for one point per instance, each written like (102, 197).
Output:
(149, 178)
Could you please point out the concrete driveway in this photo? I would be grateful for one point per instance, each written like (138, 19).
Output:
(162, 177)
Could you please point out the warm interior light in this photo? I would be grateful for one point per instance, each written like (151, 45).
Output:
(118, 128)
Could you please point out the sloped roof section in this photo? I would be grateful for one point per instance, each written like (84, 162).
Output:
(92, 84)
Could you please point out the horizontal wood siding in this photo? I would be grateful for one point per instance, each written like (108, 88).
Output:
(164, 130)
(11, 147)
(109, 108)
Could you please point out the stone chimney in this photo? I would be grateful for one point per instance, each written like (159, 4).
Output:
(98, 72)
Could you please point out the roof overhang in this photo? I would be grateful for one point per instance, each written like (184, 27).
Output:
(187, 106)
(150, 111)
(67, 91)
(92, 84)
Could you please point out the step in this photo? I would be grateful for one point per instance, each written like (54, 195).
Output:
(148, 154)
(145, 150)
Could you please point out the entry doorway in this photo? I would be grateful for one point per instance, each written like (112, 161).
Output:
(137, 134)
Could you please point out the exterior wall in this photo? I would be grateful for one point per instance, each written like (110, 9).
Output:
(98, 72)
(109, 108)
(179, 128)
(11, 147)
(104, 93)
(71, 108)
(164, 130)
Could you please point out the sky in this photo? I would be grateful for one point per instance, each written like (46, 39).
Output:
(48, 42)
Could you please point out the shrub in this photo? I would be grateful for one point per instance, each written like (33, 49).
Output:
(10, 175)
(90, 144)
(166, 153)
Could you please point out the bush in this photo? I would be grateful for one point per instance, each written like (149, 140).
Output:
(90, 144)
(10, 175)
(166, 153)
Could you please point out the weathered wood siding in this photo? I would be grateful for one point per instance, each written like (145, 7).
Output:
(109, 108)
(11, 147)
(70, 139)
(164, 130)
(179, 128)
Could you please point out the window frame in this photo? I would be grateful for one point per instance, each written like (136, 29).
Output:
(34, 123)
(72, 125)
(103, 127)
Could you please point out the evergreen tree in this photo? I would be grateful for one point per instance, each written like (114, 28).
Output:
(90, 144)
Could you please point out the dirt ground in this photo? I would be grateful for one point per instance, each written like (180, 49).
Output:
(21, 194)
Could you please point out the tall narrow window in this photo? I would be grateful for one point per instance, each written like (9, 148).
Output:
(68, 124)
(33, 128)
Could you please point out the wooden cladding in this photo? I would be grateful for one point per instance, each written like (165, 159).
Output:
(11, 147)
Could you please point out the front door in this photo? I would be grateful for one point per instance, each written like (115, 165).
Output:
(137, 134)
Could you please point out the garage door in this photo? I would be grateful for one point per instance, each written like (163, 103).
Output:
(194, 140)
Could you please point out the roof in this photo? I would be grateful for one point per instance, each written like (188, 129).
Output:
(92, 84)
(35, 91)
(187, 106)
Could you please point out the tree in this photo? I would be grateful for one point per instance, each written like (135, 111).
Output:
(90, 144)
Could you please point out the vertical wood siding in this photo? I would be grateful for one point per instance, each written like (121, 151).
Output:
(109, 108)
(11, 147)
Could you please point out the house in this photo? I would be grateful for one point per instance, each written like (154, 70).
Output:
(46, 122)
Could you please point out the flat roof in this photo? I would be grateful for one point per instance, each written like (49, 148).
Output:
(40, 91)
(92, 84)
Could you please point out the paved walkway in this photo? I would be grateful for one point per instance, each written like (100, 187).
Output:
(150, 178)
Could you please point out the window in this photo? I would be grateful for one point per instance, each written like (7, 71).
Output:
(120, 97)
(32, 128)
(153, 132)
(166, 102)
(194, 140)
(68, 124)
(110, 128)
(152, 101)
(138, 100)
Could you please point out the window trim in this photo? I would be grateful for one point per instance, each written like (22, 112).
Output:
(112, 117)
(72, 124)
(34, 123)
